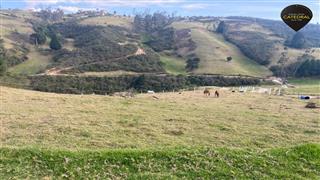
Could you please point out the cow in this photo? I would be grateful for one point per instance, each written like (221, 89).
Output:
(206, 92)
(216, 94)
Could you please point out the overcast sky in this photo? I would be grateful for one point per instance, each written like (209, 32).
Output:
(269, 9)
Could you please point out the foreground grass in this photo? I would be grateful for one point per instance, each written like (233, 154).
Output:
(294, 163)
(59, 121)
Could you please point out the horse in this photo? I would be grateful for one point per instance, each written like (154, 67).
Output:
(216, 94)
(206, 92)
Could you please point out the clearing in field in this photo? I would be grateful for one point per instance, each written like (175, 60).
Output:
(36, 62)
(173, 65)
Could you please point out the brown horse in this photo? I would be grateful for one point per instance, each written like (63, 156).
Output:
(216, 94)
(206, 92)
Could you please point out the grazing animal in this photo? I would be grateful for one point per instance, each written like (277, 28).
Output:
(216, 94)
(206, 92)
(150, 92)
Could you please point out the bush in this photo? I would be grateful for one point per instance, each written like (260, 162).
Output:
(192, 62)
(3, 66)
(55, 44)
(38, 38)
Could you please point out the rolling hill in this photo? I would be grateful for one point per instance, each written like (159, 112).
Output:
(243, 32)
(94, 44)
(213, 51)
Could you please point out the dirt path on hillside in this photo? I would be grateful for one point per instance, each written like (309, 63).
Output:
(56, 71)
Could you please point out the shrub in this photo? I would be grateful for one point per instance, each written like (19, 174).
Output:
(3, 65)
(55, 44)
(38, 38)
(192, 62)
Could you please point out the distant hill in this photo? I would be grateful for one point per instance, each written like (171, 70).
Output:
(272, 43)
(100, 43)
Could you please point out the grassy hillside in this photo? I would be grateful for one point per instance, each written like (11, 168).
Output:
(173, 65)
(36, 62)
(15, 21)
(213, 50)
(266, 41)
(35, 119)
(14, 34)
(109, 20)
(300, 162)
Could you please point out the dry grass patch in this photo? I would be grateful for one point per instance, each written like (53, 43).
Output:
(109, 20)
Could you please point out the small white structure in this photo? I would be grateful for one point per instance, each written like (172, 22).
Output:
(277, 81)
(150, 92)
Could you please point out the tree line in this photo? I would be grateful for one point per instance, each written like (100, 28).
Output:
(305, 66)
(144, 82)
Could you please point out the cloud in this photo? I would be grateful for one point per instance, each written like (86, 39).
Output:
(99, 3)
(73, 9)
(197, 6)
